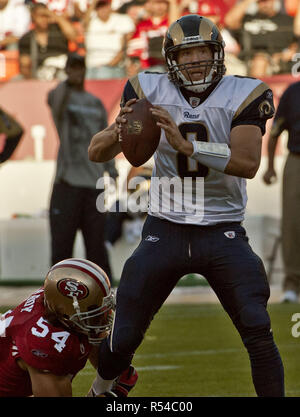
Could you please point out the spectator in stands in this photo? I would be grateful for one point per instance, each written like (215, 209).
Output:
(134, 9)
(59, 7)
(117, 4)
(291, 7)
(132, 66)
(25, 68)
(14, 22)
(80, 8)
(266, 37)
(77, 115)
(146, 42)
(202, 7)
(297, 25)
(106, 35)
(43, 50)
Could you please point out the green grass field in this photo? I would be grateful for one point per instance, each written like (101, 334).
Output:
(194, 351)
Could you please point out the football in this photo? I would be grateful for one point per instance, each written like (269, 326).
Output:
(139, 136)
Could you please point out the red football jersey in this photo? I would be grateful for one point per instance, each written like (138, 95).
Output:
(26, 334)
(140, 43)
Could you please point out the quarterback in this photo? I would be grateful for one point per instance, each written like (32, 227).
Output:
(47, 339)
(212, 127)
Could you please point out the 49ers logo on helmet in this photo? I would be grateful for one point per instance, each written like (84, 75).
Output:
(71, 288)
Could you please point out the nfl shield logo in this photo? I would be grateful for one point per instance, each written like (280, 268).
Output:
(230, 235)
(194, 101)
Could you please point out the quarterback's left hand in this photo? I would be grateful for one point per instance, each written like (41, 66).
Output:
(173, 135)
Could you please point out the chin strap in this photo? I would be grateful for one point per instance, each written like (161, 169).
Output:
(197, 88)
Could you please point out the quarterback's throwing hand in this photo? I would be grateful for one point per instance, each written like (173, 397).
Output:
(173, 135)
(125, 109)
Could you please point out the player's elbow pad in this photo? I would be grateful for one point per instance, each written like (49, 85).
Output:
(212, 155)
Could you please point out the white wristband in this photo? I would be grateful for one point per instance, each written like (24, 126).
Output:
(212, 155)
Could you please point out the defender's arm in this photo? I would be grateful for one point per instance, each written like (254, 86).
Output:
(46, 384)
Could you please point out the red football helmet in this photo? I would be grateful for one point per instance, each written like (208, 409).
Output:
(78, 292)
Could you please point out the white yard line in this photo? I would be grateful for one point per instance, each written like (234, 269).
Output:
(186, 353)
(12, 296)
(138, 368)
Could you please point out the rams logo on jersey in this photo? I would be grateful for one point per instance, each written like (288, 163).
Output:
(265, 109)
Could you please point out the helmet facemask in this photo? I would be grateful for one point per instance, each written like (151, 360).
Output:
(213, 69)
(78, 294)
(95, 323)
(192, 31)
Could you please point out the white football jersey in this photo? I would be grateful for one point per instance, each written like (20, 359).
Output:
(183, 190)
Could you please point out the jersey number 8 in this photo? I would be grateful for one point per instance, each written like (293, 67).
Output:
(188, 167)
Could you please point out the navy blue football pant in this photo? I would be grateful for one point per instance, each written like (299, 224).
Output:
(237, 275)
(72, 209)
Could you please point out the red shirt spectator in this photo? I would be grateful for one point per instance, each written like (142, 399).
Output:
(210, 8)
(59, 7)
(14, 22)
(146, 42)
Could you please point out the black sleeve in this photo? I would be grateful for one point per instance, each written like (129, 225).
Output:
(24, 44)
(9, 125)
(13, 132)
(128, 93)
(9, 147)
(257, 112)
(57, 40)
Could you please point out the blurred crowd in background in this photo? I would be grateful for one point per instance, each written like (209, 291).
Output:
(119, 38)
